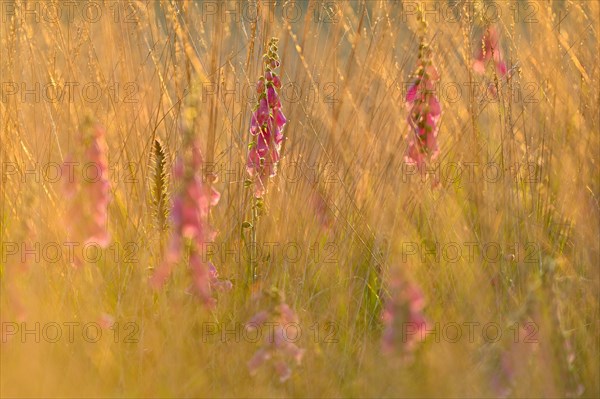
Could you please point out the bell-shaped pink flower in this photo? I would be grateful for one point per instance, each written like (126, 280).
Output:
(215, 282)
(86, 187)
(403, 318)
(277, 345)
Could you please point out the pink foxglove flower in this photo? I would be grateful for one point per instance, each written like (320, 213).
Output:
(514, 361)
(106, 321)
(279, 327)
(488, 49)
(403, 318)
(86, 188)
(266, 125)
(99, 190)
(424, 111)
(190, 220)
(322, 209)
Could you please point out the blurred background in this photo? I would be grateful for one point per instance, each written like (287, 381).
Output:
(500, 232)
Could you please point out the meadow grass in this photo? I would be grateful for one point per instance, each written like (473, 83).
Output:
(517, 195)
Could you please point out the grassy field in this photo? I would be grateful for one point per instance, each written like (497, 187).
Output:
(475, 274)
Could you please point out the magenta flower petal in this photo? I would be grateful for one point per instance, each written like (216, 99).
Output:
(277, 82)
(283, 370)
(257, 360)
(260, 87)
(280, 118)
(411, 94)
(262, 112)
(276, 344)
(501, 68)
(435, 108)
(273, 97)
(257, 320)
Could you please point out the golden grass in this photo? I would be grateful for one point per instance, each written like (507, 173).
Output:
(351, 62)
